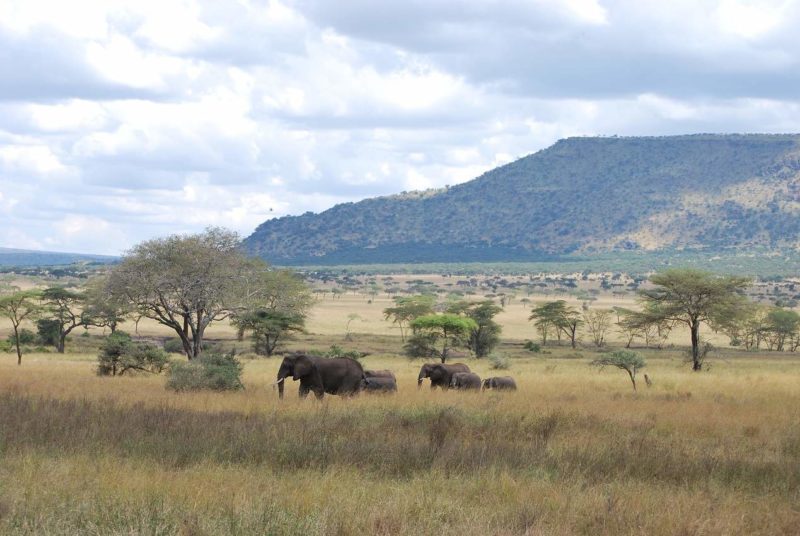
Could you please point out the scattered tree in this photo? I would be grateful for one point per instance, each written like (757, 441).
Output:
(448, 330)
(187, 282)
(18, 307)
(597, 324)
(120, 354)
(692, 297)
(64, 309)
(269, 328)
(556, 317)
(406, 309)
(630, 362)
(486, 335)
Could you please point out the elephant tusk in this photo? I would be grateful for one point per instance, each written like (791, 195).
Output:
(277, 382)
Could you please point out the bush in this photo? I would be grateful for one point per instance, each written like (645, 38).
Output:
(420, 345)
(532, 347)
(49, 331)
(338, 351)
(6, 346)
(26, 336)
(499, 362)
(173, 346)
(217, 372)
(119, 354)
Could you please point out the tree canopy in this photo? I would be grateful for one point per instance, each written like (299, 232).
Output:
(448, 330)
(186, 282)
(693, 297)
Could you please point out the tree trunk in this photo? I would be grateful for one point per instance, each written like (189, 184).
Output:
(16, 339)
(697, 365)
(62, 342)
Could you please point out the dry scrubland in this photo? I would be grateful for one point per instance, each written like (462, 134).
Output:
(574, 451)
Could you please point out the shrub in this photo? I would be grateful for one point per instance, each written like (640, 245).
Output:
(119, 354)
(420, 345)
(217, 372)
(532, 347)
(338, 351)
(173, 346)
(49, 331)
(6, 346)
(26, 336)
(499, 362)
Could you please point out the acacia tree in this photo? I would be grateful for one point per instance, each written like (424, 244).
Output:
(277, 308)
(19, 306)
(186, 282)
(782, 326)
(102, 309)
(597, 323)
(407, 309)
(447, 329)
(630, 362)
(486, 334)
(64, 309)
(556, 316)
(693, 297)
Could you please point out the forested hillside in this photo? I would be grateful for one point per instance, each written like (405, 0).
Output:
(581, 195)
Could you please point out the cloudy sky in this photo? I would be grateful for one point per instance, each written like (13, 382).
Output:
(124, 120)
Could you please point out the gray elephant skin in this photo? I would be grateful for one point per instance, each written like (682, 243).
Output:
(440, 375)
(501, 383)
(379, 384)
(465, 381)
(320, 375)
(380, 374)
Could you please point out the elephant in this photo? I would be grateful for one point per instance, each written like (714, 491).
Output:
(380, 374)
(465, 380)
(501, 383)
(439, 374)
(379, 384)
(335, 376)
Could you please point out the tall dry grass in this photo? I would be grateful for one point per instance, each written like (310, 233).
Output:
(574, 451)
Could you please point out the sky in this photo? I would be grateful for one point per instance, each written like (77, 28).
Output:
(122, 121)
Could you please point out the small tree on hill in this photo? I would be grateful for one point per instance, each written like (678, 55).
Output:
(443, 331)
(630, 362)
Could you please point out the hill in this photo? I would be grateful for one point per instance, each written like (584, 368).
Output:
(10, 257)
(581, 195)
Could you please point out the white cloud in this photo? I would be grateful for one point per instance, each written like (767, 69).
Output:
(123, 120)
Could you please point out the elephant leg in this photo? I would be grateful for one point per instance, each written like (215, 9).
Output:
(304, 389)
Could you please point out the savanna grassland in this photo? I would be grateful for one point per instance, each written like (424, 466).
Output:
(574, 451)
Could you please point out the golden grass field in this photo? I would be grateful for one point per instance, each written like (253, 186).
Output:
(574, 451)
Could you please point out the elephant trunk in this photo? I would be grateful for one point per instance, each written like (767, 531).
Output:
(280, 386)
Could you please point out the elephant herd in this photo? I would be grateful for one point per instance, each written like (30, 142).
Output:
(345, 376)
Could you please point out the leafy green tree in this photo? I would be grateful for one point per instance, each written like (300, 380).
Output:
(630, 362)
(782, 325)
(407, 308)
(557, 317)
(483, 339)
(18, 307)
(103, 309)
(188, 282)
(120, 354)
(693, 297)
(448, 330)
(269, 328)
(64, 308)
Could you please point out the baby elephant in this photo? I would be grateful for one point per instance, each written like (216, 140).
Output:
(379, 374)
(465, 380)
(502, 383)
(379, 384)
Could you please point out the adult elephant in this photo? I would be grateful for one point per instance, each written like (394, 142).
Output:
(440, 375)
(501, 383)
(465, 380)
(335, 376)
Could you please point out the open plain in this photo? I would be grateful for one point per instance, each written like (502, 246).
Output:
(574, 451)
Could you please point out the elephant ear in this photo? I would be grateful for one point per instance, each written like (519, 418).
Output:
(302, 367)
